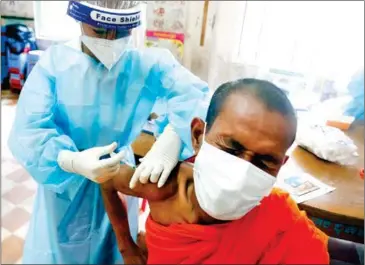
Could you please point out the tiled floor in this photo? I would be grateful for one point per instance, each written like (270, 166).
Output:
(17, 193)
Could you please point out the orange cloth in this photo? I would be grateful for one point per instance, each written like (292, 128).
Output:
(276, 232)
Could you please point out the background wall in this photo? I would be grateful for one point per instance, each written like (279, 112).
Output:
(17, 8)
(212, 61)
(17, 12)
(197, 57)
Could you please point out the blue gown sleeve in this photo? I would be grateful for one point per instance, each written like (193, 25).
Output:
(35, 140)
(186, 97)
(355, 107)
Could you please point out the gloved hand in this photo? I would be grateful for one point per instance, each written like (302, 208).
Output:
(88, 164)
(160, 160)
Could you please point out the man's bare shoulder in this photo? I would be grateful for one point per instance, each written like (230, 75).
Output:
(182, 206)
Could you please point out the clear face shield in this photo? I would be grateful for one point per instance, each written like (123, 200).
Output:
(108, 33)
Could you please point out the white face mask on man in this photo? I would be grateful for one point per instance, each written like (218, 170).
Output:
(226, 186)
(108, 52)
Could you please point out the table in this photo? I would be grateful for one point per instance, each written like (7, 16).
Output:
(340, 213)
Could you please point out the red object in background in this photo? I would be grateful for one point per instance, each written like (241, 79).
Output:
(362, 173)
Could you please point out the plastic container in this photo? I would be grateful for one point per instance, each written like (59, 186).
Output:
(17, 70)
(19, 41)
(4, 60)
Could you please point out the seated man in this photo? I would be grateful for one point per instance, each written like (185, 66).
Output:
(223, 209)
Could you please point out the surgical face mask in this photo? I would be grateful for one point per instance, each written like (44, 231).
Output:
(108, 52)
(228, 187)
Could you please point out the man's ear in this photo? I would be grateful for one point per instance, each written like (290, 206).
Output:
(197, 130)
(285, 159)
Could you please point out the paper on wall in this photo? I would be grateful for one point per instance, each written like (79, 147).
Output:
(169, 40)
(167, 16)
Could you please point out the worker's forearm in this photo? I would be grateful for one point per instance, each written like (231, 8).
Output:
(148, 191)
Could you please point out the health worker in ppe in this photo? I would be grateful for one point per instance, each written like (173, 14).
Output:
(82, 106)
(355, 107)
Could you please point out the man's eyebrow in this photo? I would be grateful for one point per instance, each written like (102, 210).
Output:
(238, 146)
(234, 144)
(270, 158)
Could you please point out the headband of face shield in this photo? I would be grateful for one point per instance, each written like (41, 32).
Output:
(113, 31)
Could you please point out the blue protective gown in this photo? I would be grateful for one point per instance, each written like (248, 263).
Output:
(72, 102)
(355, 107)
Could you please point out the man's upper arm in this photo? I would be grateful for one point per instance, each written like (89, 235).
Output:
(148, 191)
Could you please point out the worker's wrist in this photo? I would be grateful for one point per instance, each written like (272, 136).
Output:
(169, 131)
(168, 139)
(169, 128)
(65, 160)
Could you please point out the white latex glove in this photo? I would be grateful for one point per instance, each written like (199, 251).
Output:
(158, 163)
(88, 164)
